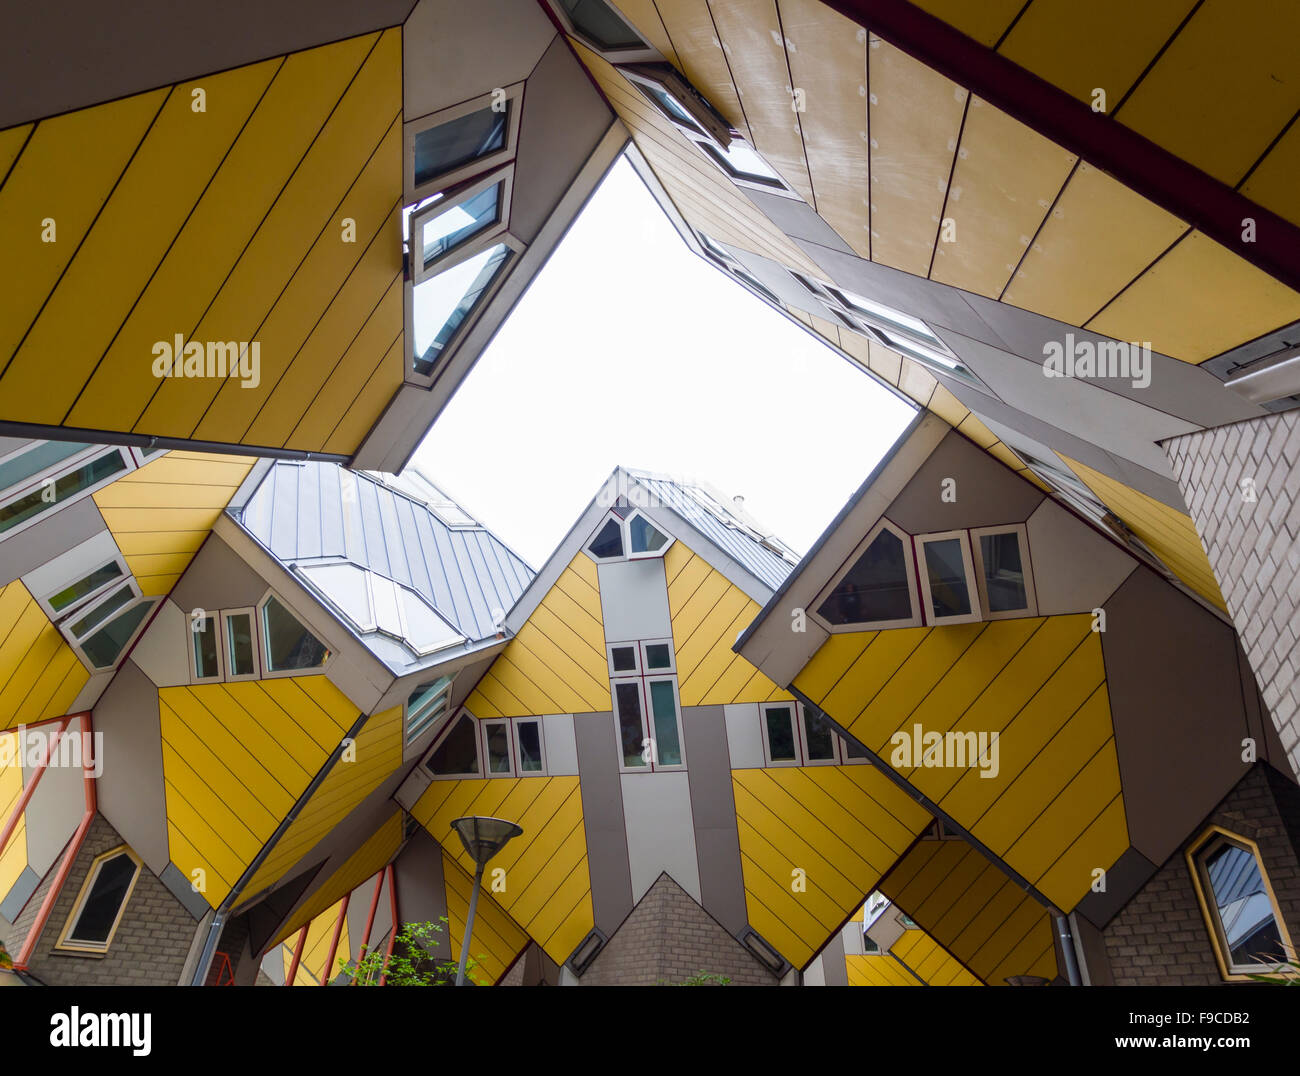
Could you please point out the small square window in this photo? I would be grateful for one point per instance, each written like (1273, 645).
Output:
(623, 659)
(659, 656)
(947, 578)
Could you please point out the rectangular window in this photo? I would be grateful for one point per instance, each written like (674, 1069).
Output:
(107, 642)
(631, 724)
(947, 578)
(528, 746)
(793, 735)
(56, 489)
(496, 743)
(1002, 570)
(83, 589)
(205, 653)
(241, 644)
(425, 705)
(666, 745)
(440, 226)
(780, 740)
(457, 753)
(819, 739)
(478, 136)
(624, 658)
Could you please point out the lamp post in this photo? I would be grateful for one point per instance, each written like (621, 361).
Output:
(483, 838)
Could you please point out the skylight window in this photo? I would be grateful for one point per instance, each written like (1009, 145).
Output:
(442, 303)
(599, 26)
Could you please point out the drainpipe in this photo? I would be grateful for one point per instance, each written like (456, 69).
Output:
(70, 855)
(21, 806)
(232, 898)
(1067, 950)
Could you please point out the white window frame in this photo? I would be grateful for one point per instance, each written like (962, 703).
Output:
(652, 554)
(622, 531)
(55, 472)
(66, 942)
(420, 271)
(648, 718)
(426, 721)
(769, 761)
(481, 726)
(802, 757)
(227, 663)
(630, 54)
(638, 682)
(100, 561)
(442, 737)
(264, 658)
(412, 194)
(837, 752)
(705, 121)
(716, 155)
(76, 641)
(213, 619)
(968, 565)
(625, 674)
(644, 658)
(515, 723)
(485, 762)
(1026, 568)
(909, 557)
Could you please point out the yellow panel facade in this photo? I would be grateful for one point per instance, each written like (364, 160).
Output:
(40, 674)
(556, 664)
(316, 949)
(497, 938)
(235, 759)
(13, 857)
(174, 499)
(931, 961)
(877, 969)
(814, 841)
(547, 884)
(1004, 724)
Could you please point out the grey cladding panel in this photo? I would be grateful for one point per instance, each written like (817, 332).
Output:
(717, 840)
(602, 814)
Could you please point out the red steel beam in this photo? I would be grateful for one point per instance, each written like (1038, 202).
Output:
(392, 934)
(297, 957)
(334, 941)
(370, 918)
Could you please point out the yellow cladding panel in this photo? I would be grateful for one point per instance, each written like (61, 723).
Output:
(689, 25)
(236, 757)
(931, 961)
(708, 612)
(497, 938)
(974, 911)
(1198, 301)
(1104, 44)
(1170, 534)
(40, 674)
(316, 949)
(377, 755)
(13, 857)
(644, 17)
(1006, 177)
(1022, 720)
(827, 54)
(877, 969)
(176, 499)
(1098, 238)
(375, 853)
(138, 223)
(706, 198)
(986, 21)
(916, 115)
(547, 885)
(813, 842)
(1272, 184)
(1249, 50)
(266, 272)
(752, 30)
(47, 204)
(556, 664)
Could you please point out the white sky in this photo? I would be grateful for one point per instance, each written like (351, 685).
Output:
(630, 349)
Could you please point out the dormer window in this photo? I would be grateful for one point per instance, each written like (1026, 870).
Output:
(630, 537)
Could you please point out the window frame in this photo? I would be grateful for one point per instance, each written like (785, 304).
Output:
(648, 718)
(227, 664)
(624, 674)
(485, 765)
(653, 554)
(409, 736)
(54, 472)
(264, 659)
(913, 587)
(65, 942)
(442, 737)
(515, 724)
(413, 194)
(768, 760)
(420, 271)
(1026, 568)
(83, 602)
(480, 726)
(968, 564)
(1205, 896)
(152, 601)
(214, 620)
(705, 121)
(802, 758)
(630, 54)
(715, 153)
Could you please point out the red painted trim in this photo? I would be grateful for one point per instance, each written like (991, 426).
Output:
(297, 957)
(334, 941)
(392, 934)
(69, 855)
(370, 918)
(1170, 182)
(28, 792)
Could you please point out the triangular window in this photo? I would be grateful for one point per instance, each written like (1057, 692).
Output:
(877, 588)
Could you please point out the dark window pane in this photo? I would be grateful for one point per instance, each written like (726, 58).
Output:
(658, 656)
(609, 542)
(820, 736)
(498, 748)
(596, 21)
(35, 459)
(875, 588)
(105, 646)
(1004, 577)
(458, 753)
(205, 646)
(780, 733)
(949, 594)
(1243, 906)
(288, 644)
(425, 705)
(530, 747)
(239, 649)
(446, 147)
(624, 658)
(84, 586)
(119, 599)
(645, 537)
(95, 921)
(39, 500)
(668, 747)
(852, 750)
(631, 731)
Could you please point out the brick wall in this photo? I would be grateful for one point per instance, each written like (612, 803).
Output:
(1160, 938)
(1253, 546)
(667, 938)
(151, 942)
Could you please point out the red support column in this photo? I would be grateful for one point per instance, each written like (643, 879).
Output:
(25, 798)
(297, 957)
(334, 941)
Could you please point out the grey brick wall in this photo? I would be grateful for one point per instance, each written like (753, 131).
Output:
(667, 938)
(151, 942)
(1160, 938)
(1253, 546)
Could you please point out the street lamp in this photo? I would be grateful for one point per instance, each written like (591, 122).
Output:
(483, 838)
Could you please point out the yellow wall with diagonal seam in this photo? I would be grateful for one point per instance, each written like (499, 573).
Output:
(40, 674)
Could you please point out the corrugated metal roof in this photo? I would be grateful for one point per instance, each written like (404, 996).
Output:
(305, 512)
(725, 524)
